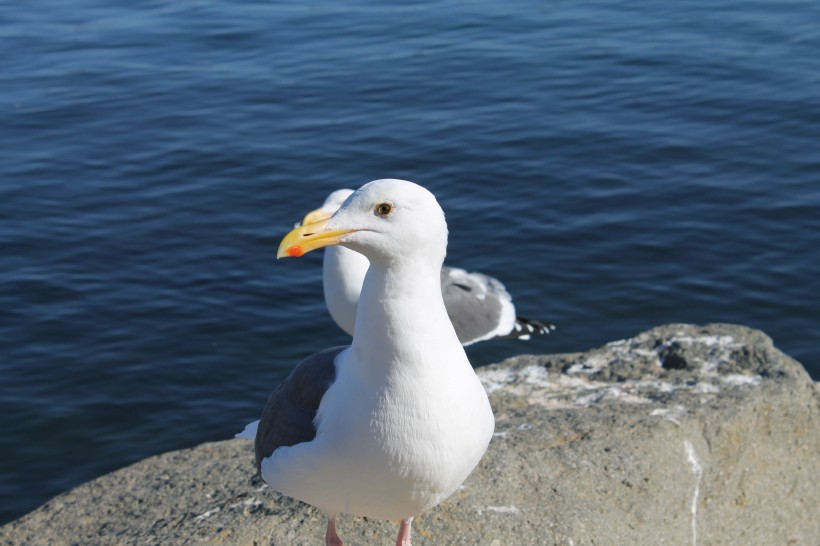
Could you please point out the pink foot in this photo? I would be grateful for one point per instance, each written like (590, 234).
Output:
(404, 533)
(331, 537)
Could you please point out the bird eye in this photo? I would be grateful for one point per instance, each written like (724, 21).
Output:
(383, 209)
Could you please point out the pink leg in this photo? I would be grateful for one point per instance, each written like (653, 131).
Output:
(404, 533)
(331, 538)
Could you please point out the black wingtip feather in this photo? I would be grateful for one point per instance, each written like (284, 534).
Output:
(524, 328)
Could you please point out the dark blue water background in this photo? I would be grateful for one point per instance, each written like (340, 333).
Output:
(618, 165)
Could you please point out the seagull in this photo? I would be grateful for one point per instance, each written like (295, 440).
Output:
(478, 305)
(392, 425)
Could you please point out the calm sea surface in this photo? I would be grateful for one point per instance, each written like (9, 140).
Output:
(618, 165)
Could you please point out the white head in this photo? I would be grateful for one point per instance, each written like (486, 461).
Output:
(335, 200)
(385, 220)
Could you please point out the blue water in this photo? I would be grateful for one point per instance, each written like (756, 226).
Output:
(618, 165)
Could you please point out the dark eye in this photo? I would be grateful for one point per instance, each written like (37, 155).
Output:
(383, 209)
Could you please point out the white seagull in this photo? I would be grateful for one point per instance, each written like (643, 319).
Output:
(479, 306)
(392, 425)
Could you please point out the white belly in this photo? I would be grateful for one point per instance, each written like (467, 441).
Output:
(387, 451)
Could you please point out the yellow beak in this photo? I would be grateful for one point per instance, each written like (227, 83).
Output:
(309, 237)
(316, 216)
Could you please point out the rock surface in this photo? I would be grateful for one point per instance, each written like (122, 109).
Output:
(683, 435)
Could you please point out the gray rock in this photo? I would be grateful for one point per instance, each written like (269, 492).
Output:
(683, 435)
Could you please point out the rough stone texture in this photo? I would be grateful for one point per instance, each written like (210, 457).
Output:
(683, 435)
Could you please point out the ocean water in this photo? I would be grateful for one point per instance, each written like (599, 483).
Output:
(618, 165)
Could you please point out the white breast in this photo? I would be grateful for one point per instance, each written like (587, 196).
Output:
(394, 449)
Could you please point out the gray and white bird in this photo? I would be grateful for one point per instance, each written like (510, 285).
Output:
(392, 425)
(478, 305)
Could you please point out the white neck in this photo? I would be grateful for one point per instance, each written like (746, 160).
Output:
(343, 272)
(396, 299)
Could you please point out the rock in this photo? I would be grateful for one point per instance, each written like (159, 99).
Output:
(683, 435)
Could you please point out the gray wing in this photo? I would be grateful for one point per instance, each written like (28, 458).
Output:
(478, 304)
(474, 302)
(288, 416)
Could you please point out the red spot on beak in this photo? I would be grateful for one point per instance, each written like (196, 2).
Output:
(295, 251)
